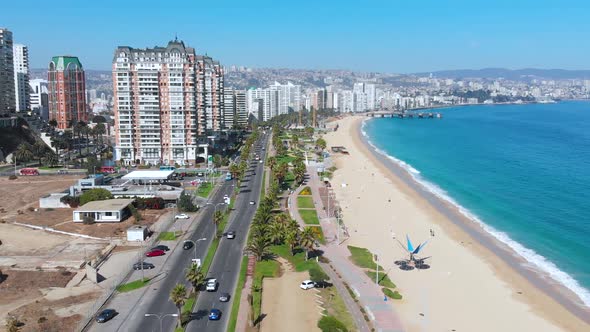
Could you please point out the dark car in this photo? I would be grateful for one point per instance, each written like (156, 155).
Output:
(187, 245)
(155, 252)
(161, 247)
(146, 266)
(224, 297)
(214, 314)
(105, 315)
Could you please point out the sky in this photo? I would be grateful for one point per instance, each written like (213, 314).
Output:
(390, 36)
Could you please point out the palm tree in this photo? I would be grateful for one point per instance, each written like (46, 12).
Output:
(276, 231)
(195, 276)
(292, 239)
(321, 143)
(38, 150)
(259, 246)
(85, 130)
(178, 297)
(234, 170)
(294, 142)
(272, 162)
(299, 173)
(51, 158)
(23, 153)
(307, 240)
(217, 219)
(100, 130)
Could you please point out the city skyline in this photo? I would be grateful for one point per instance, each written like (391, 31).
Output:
(382, 36)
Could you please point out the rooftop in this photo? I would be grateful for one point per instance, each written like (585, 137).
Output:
(148, 175)
(106, 205)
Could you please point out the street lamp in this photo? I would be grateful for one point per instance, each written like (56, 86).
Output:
(214, 213)
(195, 244)
(160, 318)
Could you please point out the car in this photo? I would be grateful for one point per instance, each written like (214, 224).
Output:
(181, 216)
(146, 266)
(307, 284)
(224, 297)
(211, 285)
(161, 247)
(252, 202)
(186, 245)
(155, 252)
(231, 235)
(214, 314)
(105, 315)
(260, 161)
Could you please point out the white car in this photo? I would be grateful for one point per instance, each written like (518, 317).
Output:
(181, 216)
(307, 284)
(252, 202)
(211, 285)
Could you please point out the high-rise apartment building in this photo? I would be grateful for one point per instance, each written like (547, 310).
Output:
(166, 100)
(67, 91)
(235, 112)
(39, 98)
(7, 96)
(268, 98)
(289, 97)
(21, 77)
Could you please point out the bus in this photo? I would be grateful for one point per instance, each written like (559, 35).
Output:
(167, 168)
(29, 171)
(107, 169)
(228, 176)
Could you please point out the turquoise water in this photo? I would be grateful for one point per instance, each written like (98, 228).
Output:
(521, 170)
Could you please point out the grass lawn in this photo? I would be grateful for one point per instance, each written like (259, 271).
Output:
(392, 294)
(238, 295)
(319, 234)
(209, 257)
(188, 305)
(289, 180)
(262, 270)
(383, 278)
(263, 187)
(336, 308)
(309, 217)
(305, 202)
(167, 236)
(285, 158)
(298, 260)
(362, 257)
(204, 189)
(133, 285)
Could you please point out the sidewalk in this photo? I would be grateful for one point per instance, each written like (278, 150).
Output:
(379, 309)
(244, 310)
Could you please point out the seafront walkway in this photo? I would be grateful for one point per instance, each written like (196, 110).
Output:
(379, 309)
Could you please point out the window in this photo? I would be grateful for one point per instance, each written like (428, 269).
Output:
(108, 214)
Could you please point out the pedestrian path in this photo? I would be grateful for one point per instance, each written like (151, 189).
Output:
(243, 311)
(379, 309)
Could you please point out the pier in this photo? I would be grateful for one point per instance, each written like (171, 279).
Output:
(405, 115)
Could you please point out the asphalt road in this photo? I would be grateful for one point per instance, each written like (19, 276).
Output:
(226, 263)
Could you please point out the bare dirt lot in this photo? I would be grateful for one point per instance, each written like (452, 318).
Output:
(287, 307)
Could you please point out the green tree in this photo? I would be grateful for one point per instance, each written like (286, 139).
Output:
(292, 239)
(321, 143)
(294, 142)
(23, 153)
(217, 161)
(38, 149)
(307, 240)
(185, 203)
(178, 297)
(259, 246)
(217, 219)
(276, 232)
(272, 162)
(195, 276)
(51, 158)
(96, 194)
(331, 324)
(53, 123)
(100, 130)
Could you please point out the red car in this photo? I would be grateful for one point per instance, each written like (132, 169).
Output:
(155, 252)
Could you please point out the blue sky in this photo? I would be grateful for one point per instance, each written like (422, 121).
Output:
(366, 35)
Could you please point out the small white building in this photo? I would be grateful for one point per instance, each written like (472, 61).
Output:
(110, 210)
(137, 233)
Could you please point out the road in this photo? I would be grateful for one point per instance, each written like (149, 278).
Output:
(226, 263)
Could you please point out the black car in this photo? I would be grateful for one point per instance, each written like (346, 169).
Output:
(187, 245)
(146, 266)
(105, 315)
(161, 247)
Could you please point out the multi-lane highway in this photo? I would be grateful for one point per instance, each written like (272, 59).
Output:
(226, 263)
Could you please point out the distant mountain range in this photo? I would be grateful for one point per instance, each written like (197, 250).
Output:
(511, 74)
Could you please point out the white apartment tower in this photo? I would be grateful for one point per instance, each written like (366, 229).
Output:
(21, 77)
(269, 98)
(39, 97)
(235, 112)
(167, 99)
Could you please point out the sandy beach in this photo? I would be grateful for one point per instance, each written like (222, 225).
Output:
(470, 286)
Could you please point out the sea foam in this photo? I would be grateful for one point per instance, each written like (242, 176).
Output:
(533, 259)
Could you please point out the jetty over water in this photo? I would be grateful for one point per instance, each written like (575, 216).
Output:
(404, 115)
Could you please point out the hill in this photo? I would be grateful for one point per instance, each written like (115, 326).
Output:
(511, 74)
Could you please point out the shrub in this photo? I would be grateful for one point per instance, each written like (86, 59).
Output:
(31, 209)
(72, 201)
(316, 274)
(41, 319)
(12, 177)
(185, 204)
(331, 324)
(391, 294)
(88, 220)
(136, 214)
(305, 191)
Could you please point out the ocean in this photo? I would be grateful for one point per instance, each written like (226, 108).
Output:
(521, 171)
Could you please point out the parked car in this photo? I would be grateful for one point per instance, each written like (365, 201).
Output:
(231, 235)
(161, 247)
(105, 315)
(307, 284)
(211, 285)
(181, 216)
(214, 314)
(186, 245)
(224, 297)
(146, 266)
(155, 252)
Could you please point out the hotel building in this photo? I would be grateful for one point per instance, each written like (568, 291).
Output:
(67, 91)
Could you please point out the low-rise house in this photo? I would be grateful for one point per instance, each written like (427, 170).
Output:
(110, 210)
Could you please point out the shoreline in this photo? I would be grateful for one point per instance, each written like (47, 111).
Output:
(539, 279)
(485, 264)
